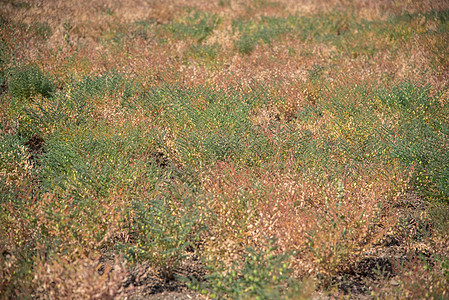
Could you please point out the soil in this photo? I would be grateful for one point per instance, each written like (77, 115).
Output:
(3, 88)
(36, 147)
(160, 159)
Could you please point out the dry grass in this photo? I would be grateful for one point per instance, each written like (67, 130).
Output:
(296, 96)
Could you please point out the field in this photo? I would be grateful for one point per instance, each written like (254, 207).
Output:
(224, 149)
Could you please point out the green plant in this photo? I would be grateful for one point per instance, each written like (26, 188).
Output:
(440, 218)
(197, 129)
(16, 243)
(205, 52)
(419, 279)
(262, 274)
(63, 277)
(42, 30)
(21, 4)
(444, 265)
(67, 26)
(15, 165)
(28, 80)
(265, 30)
(89, 164)
(196, 24)
(75, 105)
(115, 36)
(209, 125)
(163, 228)
(143, 28)
(5, 57)
(97, 86)
(420, 138)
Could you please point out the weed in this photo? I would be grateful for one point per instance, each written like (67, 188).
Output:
(5, 58)
(262, 274)
(89, 164)
(42, 30)
(27, 81)
(420, 138)
(21, 4)
(419, 279)
(142, 29)
(15, 167)
(162, 229)
(163, 133)
(79, 278)
(67, 26)
(198, 25)
(210, 126)
(206, 52)
(266, 30)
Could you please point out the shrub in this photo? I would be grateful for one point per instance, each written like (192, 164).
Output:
(27, 81)
(263, 273)
(63, 277)
(91, 162)
(196, 24)
(265, 30)
(163, 228)
(420, 137)
(209, 125)
(205, 52)
(42, 30)
(15, 165)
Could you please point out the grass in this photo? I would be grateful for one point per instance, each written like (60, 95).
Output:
(279, 148)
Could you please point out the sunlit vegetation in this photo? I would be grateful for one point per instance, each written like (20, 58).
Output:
(224, 149)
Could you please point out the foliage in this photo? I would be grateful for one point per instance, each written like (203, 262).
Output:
(163, 229)
(62, 278)
(418, 278)
(27, 81)
(15, 167)
(264, 30)
(5, 58)
(209, 125)
(74, 106)
(196, 24)
(420, 138)
(91, 164)
(161, 135)
(262, 274)
(205, 52)
(42, 30)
